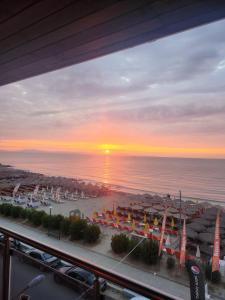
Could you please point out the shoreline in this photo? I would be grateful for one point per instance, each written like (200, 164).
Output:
(115, 189)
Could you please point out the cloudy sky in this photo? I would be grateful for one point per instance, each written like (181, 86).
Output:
(163, 98)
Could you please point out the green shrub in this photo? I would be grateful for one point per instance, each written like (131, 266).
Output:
(216, 277)
(30, 212)
(120, 243)
(77, 229)
(36, 217)
(65, 226)
(45, 221)
(6, 209)
(55, 221)
(24, 213)
(16, 211)
(136, 253)
(149, 252)
(92, 233)
(1, 208)
(208, 271)
(170, 263)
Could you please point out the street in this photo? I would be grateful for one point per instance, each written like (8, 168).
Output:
(22, 273)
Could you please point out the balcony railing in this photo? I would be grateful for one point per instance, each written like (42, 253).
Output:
(18, 268)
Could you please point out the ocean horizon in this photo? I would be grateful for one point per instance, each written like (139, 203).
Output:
(196, 177)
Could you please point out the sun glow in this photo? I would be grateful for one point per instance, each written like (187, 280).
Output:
(107, 151)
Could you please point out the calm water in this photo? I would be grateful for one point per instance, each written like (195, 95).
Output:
(202, 178)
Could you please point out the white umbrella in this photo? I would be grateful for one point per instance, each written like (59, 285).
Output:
(167, 243)
(198, 253)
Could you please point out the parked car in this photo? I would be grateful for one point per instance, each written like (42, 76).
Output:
(13, 242)
(35, 256)
(78, 278)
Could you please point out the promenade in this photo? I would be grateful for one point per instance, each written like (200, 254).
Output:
(177, 290)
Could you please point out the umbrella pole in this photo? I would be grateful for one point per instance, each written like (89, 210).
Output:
(180, 217)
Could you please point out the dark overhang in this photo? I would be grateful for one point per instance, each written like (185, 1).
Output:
(42, 36)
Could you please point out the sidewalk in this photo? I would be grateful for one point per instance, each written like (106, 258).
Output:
(111, 264)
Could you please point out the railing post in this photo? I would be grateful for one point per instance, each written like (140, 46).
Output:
(97, 289)
(6, 269)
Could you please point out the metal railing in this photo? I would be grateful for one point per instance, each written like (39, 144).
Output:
(109, 276)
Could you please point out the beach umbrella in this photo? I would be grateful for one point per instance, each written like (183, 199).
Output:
(191, 234)
(129, 217)
(146, 229)
(145, 218)
(206, 237)
(114, 211)
(167, 243)
(172, 223)
(172, 210)
(133, 225)
(196, 227)
(159, 207)
(202, 221)
(156, 222)
(94, 215)
(198, 253)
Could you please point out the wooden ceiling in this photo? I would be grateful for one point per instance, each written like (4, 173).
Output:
(42, 36)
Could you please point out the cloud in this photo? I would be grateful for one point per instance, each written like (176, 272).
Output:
(174, 84)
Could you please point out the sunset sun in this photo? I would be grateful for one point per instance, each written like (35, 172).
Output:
(107, 151)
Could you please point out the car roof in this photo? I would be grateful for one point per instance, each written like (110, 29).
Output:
(81, 271)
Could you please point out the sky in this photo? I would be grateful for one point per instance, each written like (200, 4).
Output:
(164, 98)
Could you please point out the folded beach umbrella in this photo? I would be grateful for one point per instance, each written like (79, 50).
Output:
(167, 243)
(133, 225)
(156, 222)
(172, 223)
(198, 253)
(202, 221)
(145, 218)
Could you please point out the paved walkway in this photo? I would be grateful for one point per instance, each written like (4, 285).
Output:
(100, 260)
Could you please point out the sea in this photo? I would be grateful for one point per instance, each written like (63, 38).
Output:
(195, 178)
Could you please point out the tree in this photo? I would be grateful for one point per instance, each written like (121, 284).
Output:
(6, 209)
(55, 221)
(149, 252)
(136, 253)
(45, 221)
(120, 243)
(65, 226)
(36, 217)
(77, 229)
(92, 233)
(16, 211)
(215, 276)
(24, 213)
(170, 263)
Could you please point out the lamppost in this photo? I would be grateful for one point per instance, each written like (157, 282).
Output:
(34, 282)
(50, 211)
(50, 214)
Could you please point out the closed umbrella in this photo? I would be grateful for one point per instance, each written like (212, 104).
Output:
(202, 221)
(156, 222)
(198, 253)
(167, 243)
